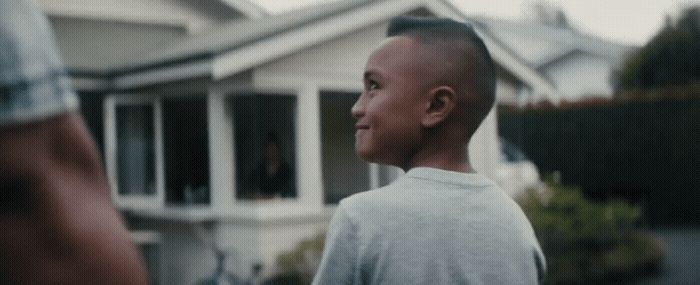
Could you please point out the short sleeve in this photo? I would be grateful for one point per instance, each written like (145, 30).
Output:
(339, 262)
(33, 81)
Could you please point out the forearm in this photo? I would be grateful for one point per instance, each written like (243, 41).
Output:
(68, 232)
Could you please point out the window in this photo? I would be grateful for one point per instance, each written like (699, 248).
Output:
(265, 143)
(135, 149)
(186, 151)
(344, 173)
(158, 150)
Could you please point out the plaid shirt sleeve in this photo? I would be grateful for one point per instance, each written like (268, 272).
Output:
(33, 81)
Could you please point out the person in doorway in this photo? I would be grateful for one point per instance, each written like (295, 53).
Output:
(57, 223)
(427, 88)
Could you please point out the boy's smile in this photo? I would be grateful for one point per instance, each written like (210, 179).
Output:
(388, 112)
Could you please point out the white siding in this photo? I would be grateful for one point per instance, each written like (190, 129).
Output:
(506, 92)
(341, 60)
(580, 75)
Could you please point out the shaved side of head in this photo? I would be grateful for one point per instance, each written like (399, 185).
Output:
(462, 60)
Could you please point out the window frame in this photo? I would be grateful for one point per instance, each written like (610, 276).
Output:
(230, 119)
(139, 201)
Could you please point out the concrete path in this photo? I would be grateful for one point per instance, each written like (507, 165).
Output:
(682, 263)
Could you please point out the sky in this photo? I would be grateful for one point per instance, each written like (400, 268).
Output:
(631, 22)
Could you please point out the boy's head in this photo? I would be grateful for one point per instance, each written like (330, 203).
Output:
(432, 81)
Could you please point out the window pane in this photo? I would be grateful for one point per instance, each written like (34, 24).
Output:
(265, 141)
(344, 173)
(135, 149)
(186, 149)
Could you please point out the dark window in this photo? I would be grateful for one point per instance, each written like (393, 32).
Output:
(186, 151)
(265, 143)
(344, 173)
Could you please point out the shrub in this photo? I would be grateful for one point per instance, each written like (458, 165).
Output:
(299, 265)
(589, 242)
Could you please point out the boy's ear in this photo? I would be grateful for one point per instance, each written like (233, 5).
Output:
(442, 100)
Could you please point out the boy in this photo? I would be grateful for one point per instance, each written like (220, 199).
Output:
(427, 89)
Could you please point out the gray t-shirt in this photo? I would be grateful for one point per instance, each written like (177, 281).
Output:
(431, 226)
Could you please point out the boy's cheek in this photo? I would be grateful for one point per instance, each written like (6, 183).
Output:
(363, 145)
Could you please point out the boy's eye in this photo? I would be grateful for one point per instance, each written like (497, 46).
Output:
(372, 85)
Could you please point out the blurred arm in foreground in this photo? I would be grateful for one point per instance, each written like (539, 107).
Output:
(57, 223)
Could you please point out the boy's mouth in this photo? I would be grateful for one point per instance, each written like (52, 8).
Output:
(361, 127)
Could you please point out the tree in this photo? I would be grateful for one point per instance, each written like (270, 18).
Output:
(671, 58)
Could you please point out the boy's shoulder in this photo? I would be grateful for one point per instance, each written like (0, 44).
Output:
(369, 198)
(372, 202)
(419, 195)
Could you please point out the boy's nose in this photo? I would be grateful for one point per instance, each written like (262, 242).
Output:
(357, 109)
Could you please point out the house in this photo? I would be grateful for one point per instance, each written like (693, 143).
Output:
(576, 65)
(189, 99)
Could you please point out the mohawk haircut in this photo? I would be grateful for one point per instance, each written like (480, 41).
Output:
(434, 30)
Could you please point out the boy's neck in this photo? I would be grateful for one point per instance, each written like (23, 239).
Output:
(451, 158)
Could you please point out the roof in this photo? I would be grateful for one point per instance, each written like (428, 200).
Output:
(539, 44)
(237, 46)
(232, 35)
(190, 14)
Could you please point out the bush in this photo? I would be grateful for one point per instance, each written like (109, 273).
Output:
(299, 265)
(586, 242)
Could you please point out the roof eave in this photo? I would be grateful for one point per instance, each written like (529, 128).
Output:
(194, 69)
(229, 63)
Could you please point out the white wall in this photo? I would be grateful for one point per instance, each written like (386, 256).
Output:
(579, 75)
(338, 63)
(506, 92)
(96, 34)
(184, 257)
(263, 242)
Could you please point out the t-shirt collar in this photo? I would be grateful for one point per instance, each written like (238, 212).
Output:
(450, 177)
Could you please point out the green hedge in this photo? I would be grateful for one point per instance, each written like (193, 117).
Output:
(587, 242)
